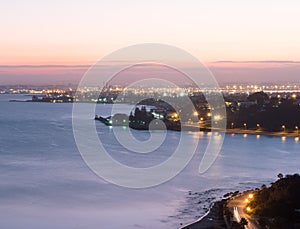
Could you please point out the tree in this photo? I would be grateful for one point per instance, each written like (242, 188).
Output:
(259, 97)
(280, 175)
(243, 222)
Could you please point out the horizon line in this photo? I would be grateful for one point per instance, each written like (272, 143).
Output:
(89, 65)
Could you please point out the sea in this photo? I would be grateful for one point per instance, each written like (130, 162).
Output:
(45, 183)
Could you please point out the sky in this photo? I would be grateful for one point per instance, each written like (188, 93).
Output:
(55, 41)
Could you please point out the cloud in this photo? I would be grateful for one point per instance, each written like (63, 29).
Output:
(258, 62)
(224, 71)
(45, 66)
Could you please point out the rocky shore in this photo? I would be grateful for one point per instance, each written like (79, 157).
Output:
(213, 219)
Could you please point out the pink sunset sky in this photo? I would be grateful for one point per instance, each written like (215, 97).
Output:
(54, 42)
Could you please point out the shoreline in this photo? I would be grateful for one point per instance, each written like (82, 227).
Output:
(217, 216)
(196, 128)
(214, 218)
(200, 219)
(263, 133)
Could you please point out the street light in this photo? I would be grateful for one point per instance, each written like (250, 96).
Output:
(297, 129)
(245, 125)
(283, 128)
(232, 125)
(258, 126)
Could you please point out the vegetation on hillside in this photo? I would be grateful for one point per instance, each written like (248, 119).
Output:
(278, 206)
(270, 113)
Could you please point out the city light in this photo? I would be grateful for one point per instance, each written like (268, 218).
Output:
(217, 117)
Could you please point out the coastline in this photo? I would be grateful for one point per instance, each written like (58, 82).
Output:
(214, 218)
(196, 128)
(227, 212)
(263, 133)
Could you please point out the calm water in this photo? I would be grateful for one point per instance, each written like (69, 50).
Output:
(44, 182)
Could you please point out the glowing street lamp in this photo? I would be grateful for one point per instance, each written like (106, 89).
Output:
(245, 125)
(297, 129)
(283, 128)
(258, 126)
(232, 125)
(251, 196)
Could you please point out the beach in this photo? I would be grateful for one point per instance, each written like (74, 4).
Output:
(213, 219)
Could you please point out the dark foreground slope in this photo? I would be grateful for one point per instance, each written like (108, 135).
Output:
(278, 206)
